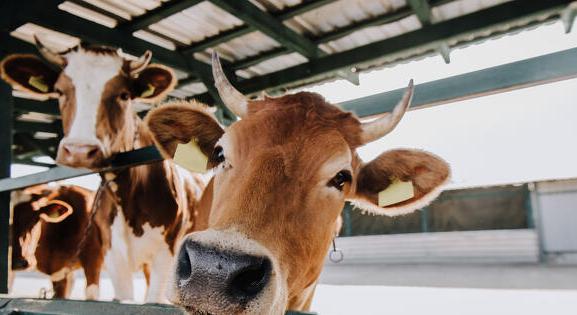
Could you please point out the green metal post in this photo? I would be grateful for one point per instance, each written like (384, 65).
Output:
(6, 107)
(425, 220)
(347, 226)
(528, 207)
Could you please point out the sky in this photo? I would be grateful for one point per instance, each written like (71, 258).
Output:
(514, 137)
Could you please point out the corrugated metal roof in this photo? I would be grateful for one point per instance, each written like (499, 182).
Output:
(205, 21)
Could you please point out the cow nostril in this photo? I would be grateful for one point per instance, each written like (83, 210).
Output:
(92, 153)
(183, 267)
(66, 149)
(251, 280)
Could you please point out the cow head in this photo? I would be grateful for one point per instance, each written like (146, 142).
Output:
(32, 207)
(281, 177)
(95, 87)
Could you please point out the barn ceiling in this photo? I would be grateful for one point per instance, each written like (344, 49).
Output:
(268, 45)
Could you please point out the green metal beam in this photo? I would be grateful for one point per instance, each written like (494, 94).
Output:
(303, 7)
(267, 24)
(49, 107)
(517, 75)
(245, 29)
(423, 39)
(45, 147)
(165, 10)
(32, 126)
(422, 9)
(120, 161)
(326, 37)
(530, 72)
(382, 19)
(275, 29)
(6, 105)
(45, 13)
(98, 9)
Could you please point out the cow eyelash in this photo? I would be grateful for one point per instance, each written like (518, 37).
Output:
(339, 180)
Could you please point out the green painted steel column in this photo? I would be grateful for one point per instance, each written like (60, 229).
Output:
(6, 107)
(528, 207)
(425, 220)
(347, 225)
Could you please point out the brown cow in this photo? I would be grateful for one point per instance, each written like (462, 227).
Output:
(282, 175)
(50, 234)
(145, 209)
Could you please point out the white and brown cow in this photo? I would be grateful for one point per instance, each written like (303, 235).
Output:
(146, 209)
(282, 175)
(51, 234)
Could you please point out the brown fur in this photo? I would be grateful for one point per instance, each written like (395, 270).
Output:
(272, 189)
(147, 193)
(58, 242)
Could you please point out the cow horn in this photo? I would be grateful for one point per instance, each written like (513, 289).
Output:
(381, 126)
(51, 56)
(136, 66)
(231, 97)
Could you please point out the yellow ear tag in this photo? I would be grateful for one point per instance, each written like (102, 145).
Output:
(38, 83)
(191, 157)
(149, 91)
(398, 191)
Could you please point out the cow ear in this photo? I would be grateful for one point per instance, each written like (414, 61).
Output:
(55, 211)
(30, 74)
(154, 83)
(181, 122)
(399, 182)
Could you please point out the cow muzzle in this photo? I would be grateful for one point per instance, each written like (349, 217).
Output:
(80, 154)
(216, 279)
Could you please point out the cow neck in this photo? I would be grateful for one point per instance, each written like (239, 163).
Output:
(144, 193)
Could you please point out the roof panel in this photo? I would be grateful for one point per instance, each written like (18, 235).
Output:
(198, 22)
(339, 14)
(53, 40)
(243, 47)
(461, 7)
(274, 64)
(373, 34)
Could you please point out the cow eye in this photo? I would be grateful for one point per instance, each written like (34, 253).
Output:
(125, 96)
(217, 156)
(340, 179)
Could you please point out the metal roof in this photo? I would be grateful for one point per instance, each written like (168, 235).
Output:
(269, 44)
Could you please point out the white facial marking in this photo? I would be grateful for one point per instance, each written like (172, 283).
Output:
(89, 73)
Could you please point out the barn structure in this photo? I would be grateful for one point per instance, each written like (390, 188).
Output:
(268, 46)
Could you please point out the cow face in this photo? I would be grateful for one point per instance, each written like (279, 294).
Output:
(95, 87)
(32, 207)
(282, 175)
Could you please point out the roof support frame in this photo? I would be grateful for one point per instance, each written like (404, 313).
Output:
(517, 75)
(51, 17)
(426, 38)
(267, 24)
(245, 29)
(423, 11)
